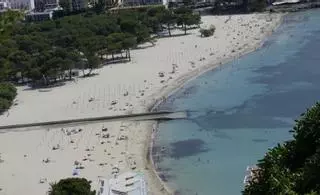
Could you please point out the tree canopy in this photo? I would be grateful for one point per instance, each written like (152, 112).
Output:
(292, 167)
(236, 6)
(43, 52)
(71, 186)
(7, 20)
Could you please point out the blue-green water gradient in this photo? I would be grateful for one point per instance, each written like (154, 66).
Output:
(240, 110)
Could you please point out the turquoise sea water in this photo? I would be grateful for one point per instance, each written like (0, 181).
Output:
(240, 110)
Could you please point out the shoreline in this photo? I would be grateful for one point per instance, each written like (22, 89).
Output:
(125, 88)
(184, 79)
(165, 93)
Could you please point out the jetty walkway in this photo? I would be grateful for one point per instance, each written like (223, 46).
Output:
(161, 115)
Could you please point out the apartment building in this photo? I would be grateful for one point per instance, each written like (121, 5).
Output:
(4, 4)
(22, 4)
(75, 5)
(41, 5)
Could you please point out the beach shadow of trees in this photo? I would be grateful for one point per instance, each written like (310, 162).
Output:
(44, 88)
(175, 35)
(145, 47)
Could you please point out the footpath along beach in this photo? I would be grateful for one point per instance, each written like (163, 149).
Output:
(31, 159)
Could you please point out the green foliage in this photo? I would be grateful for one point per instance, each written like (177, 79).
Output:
(43, 52)
(119, 41)
(154, 11)
(135, 27)
(185, 17)
(188, 20)
(7, 20)
(183, 10)
(128, 41)
(7, 94)
(71, 186)
(238, 7)
(4, 105)
(7, 91)
(169, 18)
(257, 5)
(92, 62)
(293, 167)
(100, 6)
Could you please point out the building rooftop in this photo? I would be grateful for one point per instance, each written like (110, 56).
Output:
(129, 183)
(285, 2)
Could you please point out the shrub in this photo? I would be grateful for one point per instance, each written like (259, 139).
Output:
(7, 91)
(208, 32)
(7, 94)
(294, 166)
(4, 104)
(257, 5)
(71, 186)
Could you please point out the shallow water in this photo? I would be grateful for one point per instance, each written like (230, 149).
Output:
(240, 110)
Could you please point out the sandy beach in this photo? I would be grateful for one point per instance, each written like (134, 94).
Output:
(31, 159)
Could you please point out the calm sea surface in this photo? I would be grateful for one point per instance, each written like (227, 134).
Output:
(240, 110)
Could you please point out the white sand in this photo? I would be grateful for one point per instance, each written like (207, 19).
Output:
(21, 174)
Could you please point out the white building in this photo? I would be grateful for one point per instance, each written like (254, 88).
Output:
(130, 183)
(22, 4)
(281, 2)
(41, 16)
(4, 4)
(41, 5)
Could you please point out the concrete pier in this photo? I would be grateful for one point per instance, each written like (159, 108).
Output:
(162, 115)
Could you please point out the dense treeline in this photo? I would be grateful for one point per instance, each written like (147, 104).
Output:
(46, 52)
(292, 168)
(7, 91)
